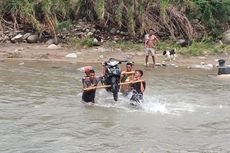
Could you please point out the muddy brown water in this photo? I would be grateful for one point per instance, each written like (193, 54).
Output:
(41, 112)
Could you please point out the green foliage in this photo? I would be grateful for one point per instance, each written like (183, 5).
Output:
(82, 42)
(205, 47)
(23, 10)
(165, 45)
(126, 45)
(100, 8)
(134, 16)
(214, 14)
(202, 48)
(119, 12)
(131, 21)
(64, 25)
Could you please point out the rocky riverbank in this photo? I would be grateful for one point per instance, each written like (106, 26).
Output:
(23, 52)
(81, 29)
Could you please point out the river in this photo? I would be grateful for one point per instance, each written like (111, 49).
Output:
(41, 112)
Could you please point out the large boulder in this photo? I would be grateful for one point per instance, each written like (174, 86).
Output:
(226, 37)
(184, 42)
(33, 38)
(17, 38)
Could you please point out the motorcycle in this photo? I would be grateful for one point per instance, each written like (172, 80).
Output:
(112, 74)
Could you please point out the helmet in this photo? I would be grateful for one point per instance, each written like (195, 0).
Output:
(88, 68)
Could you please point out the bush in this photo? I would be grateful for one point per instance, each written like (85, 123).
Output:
(82, 42)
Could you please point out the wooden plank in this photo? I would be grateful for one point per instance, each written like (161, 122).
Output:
(106, 86)
(131, 72)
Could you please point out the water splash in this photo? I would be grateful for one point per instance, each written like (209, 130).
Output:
(151, 104)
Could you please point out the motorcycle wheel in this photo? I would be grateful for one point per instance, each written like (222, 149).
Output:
(115, 89)
(115, 96)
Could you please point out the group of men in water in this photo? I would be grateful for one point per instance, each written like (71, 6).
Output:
(131, 83)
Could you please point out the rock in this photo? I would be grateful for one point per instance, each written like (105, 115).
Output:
(53, 46)
(205, 67)
(194, 66)
(140, 53)
(71, 55)
(184, 42)
(226, 37)
(22, 63)
(101, 56)
(18, 49)
(51, 41)
(89, 33)
(202, 58)
(45, 56)
(32, 39)
(17, 38)
(226, 32)
(25, 36)
(113, 31)
(95, 40)
(4, 38)
(14, 55)
(202, 63)
(158, 64)
(210, 66)
(220, 42)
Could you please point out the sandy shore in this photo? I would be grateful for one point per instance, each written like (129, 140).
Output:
(41, 52)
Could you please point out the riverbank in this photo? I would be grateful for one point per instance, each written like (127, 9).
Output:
(23, 52)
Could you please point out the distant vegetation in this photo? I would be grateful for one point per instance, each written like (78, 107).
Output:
(171, 19)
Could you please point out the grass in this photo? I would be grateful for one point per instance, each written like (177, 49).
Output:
(85, 42)
(204, 48)
(195, 49)
(125, 45)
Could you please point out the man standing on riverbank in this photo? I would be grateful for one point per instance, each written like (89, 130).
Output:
(150, 43)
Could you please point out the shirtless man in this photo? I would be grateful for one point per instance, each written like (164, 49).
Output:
(138, 87)
(126, 76)
(150, 43)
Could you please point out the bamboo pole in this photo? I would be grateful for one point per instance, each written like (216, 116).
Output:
(106, 86)
(131, 72)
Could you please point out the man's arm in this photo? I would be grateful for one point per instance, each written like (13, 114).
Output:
(146, 39)
(142, 87)
(85, 82)
(157, 40)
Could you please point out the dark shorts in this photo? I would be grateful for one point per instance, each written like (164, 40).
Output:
(88, 96)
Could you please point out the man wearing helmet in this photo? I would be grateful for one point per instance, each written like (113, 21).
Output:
(90, 81)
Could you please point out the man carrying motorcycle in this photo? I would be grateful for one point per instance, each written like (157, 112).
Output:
(127, 76)
(138, 87)
(90, 81)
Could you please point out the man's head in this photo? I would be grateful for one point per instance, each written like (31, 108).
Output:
(91, 73)
(129, 66)
(138, 73)
(151, 31)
